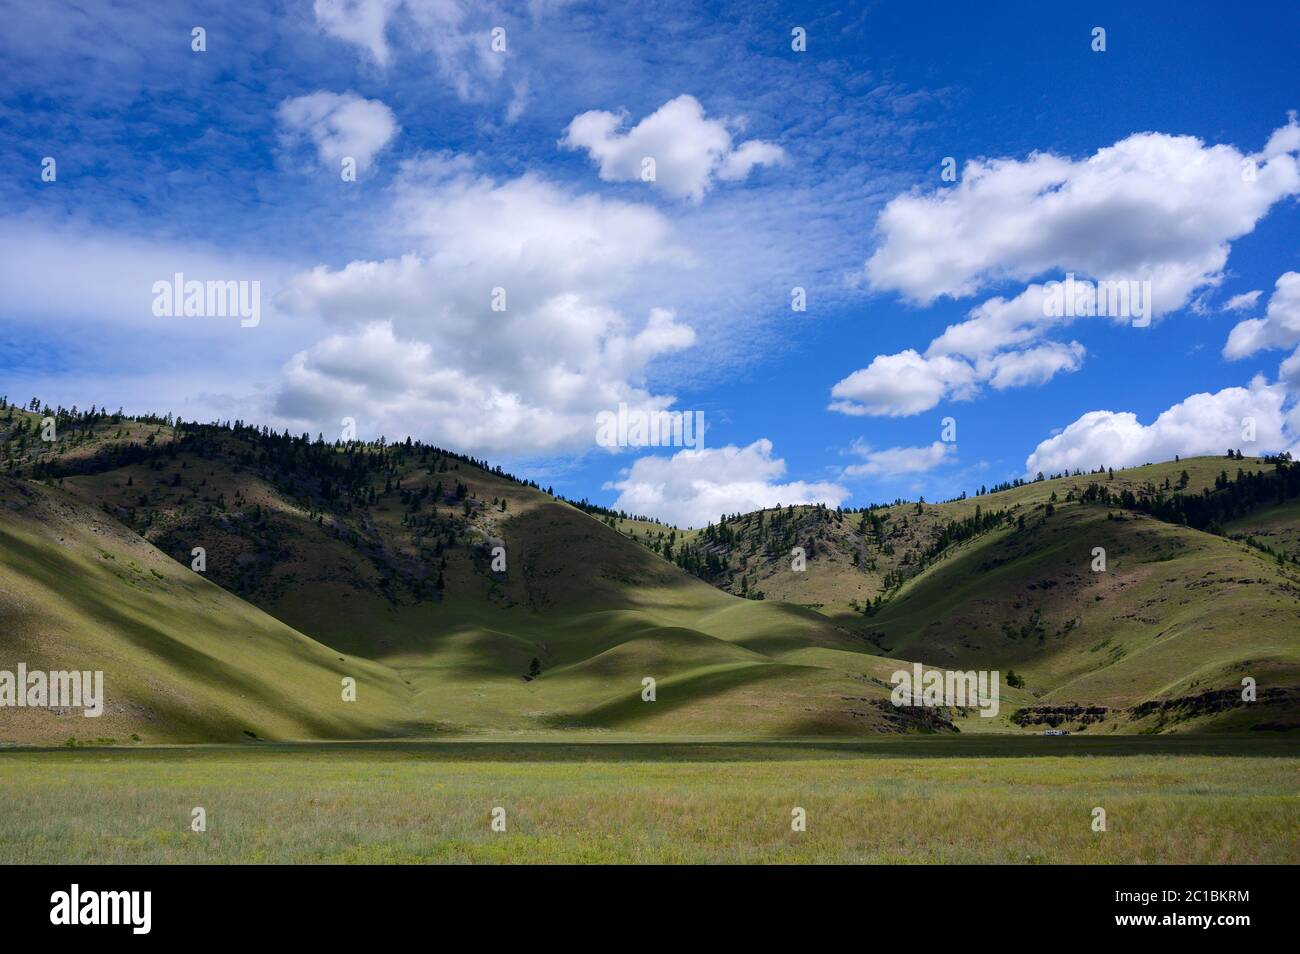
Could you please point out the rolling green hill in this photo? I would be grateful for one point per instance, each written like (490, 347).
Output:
(1176, 614)
(182, 658)
(377, 562)
(466, 601)
(1162, 638)
(861, 555)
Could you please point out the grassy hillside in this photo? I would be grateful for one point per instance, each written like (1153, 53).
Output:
(1177, 613)
(1272, 529)
(182, 658)
(855, 557)
(1161, 640)
(385, 555)
(479, 603)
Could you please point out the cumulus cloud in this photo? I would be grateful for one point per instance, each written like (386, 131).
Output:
(1201, 424)
(1000, 323)
(996, 324)
(899, 385)
(339, 125)
(420, 348)
(742, 160)
(899, 460)
(1288, 373)
(1014, 369)
(1279, 328)
(689, 151)
(1152, 206)
(693, 487)
(398, 385)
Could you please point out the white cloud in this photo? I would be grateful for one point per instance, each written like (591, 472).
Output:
(689, 151)
(518, 101)
(899, 460)
(1280, 326)
(740, 162)
(1152, 206)
(1014, 369)
(363, 23)
(899, 385)
(456, 32)
(84, 294)
(420, 349)
(693, 487)
(1201, 424)
(339, 125)
(1243, 302)
(70, 272)
(1288, 373)
(1000, 323)
(996, 324)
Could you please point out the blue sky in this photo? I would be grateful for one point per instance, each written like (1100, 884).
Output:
(519, 168)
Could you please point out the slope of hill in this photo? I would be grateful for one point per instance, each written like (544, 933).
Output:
(855, 557)
(482, 604)
(183, 660)
(1006, 580)
(1275, 530)
(1176, 614)
(388, 555)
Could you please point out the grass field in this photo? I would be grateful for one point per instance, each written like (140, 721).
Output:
(1168, 799)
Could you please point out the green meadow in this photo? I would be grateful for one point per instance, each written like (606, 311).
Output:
(901, 800)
